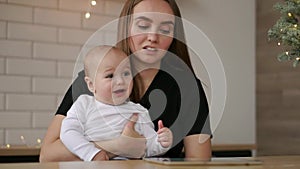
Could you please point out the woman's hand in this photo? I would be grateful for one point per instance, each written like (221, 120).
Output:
(165, 136)
(129, 144)
(101, 156)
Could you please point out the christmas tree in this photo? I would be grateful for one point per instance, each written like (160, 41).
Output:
(286, 31)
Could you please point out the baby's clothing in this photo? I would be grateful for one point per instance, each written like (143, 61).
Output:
(89, 120)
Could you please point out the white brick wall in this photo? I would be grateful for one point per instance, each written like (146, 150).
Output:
(8, 120)
(65, 69)
(28, 67)
(57, 18)
(31, 32)
(67, 36)
(41, 119)
(8, 48)
(39, 44)
(2, 137)
(16, 13)
(2, 66)
(1, 102)
(15, 84)
(2, 29)
(36, 3)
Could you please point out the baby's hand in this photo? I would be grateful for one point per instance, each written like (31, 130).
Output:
(165, 136)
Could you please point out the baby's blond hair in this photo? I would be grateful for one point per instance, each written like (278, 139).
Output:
(94, 57)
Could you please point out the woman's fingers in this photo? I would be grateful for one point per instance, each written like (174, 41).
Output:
(129, 128)
(132, 121)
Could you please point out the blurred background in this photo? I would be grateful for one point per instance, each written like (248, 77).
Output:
(41, 39)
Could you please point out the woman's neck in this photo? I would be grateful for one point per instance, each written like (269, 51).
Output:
(147, 77)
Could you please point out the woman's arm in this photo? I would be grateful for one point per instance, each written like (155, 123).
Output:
(52, 148)
(198, 146)
(129, 144)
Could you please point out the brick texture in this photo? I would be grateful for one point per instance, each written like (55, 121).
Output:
(15, 13)
(29, 67)
(57, 18)
(2, 65)
(36, 3)
(31, 32)
(8, 48)
(40, 41)
(2, 29)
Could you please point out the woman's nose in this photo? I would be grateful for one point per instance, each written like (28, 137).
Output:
(152, 37)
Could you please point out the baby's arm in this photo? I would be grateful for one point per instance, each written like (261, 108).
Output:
(157, 143)
(72, 135)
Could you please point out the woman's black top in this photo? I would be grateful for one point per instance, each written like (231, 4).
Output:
(174, 97)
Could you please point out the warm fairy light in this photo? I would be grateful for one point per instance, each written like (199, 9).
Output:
(295, 25)
(93, 2)
(23, 140)
(281, 30)
(298, 58)
(7, 145)
(87, 15)
(290, 14)
(278, 43)
(287, 53)
(39, 141)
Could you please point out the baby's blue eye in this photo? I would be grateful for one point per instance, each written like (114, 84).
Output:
(127, 73)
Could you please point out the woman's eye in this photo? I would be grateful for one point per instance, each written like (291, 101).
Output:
(165, 29)
(109, 76)
(143, 25)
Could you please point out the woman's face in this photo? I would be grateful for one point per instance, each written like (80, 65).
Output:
(151, 32)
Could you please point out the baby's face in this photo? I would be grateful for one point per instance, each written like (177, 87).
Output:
(113, 81)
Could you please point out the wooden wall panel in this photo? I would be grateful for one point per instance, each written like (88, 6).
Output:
(277, 89)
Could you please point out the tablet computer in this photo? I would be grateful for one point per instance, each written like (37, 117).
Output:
(214, 161)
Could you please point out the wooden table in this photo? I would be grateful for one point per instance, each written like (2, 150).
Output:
(271, 162)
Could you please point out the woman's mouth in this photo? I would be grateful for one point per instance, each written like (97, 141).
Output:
(150, 48)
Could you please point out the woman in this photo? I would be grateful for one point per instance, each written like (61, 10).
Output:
(149, 39)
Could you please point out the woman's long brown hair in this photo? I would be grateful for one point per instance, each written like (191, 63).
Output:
(178, 46)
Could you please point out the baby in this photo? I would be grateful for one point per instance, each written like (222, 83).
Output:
(103, 116)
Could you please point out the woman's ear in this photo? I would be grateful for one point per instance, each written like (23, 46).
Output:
(89, 83)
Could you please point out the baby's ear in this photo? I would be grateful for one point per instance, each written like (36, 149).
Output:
(89, 84)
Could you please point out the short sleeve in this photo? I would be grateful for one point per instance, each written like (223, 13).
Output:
(77, 88)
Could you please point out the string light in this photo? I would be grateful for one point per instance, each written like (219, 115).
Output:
(278, 43)
(287, 53)
(290, 14)
(298, 58)
(7, 145)
(93, 2)
(23, 140)
(87, 15)
(295, 25)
